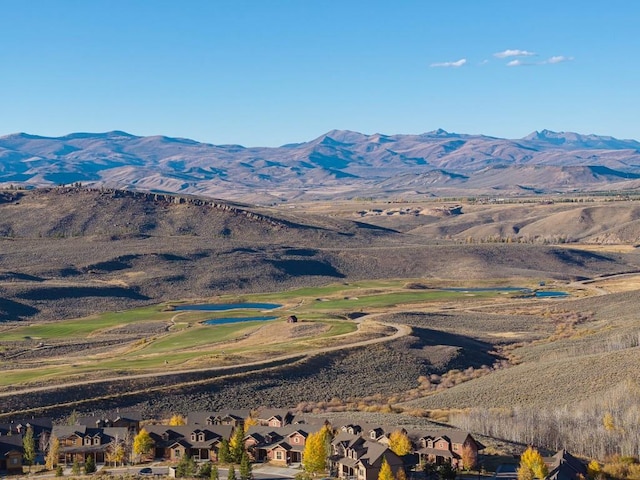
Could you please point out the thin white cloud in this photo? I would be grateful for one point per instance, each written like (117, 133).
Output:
(516, 63)
(455, 64)
(514, 53)
(559, 59)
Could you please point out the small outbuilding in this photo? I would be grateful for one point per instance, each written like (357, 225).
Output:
(292, 319)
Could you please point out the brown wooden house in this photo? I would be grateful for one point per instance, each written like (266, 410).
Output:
(280, 446)
(443, 446)
(11, 453)
(79, 442)
(196, 441)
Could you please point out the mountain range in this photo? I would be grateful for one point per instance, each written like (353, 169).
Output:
(338, 164)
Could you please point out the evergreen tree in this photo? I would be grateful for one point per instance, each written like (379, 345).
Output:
(232, 473)
(224, 456)
(446, 471)
(89, 465)
(215, 475)
(59, 471)
(205, 470)
(29, 447)
(186, 467)
(75, 468)
(245, 467)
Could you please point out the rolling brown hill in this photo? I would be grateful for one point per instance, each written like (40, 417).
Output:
(67, 252)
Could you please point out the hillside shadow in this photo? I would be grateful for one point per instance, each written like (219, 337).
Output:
(469, 352)
(299, 268)
(10, 310)
(56, 293)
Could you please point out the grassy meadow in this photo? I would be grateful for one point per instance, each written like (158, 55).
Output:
(158, 337)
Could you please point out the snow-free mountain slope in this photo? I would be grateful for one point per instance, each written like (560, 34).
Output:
(340, 163)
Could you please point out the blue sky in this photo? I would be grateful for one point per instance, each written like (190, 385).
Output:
(269, 72)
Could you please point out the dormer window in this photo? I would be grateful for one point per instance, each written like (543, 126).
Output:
(87, 441)
(201, 437)
(210, 421)
(296, 439)
(373, 434)
(96, 440)
(193, 437)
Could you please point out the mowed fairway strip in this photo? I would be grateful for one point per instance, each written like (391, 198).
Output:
(159, 339)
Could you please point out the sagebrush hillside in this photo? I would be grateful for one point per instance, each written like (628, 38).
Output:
(68, 252)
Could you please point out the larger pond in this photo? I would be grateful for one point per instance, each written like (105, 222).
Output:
(222, 321)
(223, 307)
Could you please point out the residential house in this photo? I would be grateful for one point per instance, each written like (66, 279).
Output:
(359, 458)
(125, 418)
(41, 431)
(199, 442)
(445, 446)
(234, 418)
(275, 418)
(11, 453)
(564, 466)
(78, 442)
(278, 445)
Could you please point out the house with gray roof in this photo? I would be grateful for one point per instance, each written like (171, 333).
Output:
(355, 457)
(199, 442)
(564, 466)
(11, 453)
(79, 442)
(278, 445)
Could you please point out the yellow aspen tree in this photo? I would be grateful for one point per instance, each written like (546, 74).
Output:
(315, 452)
(400, 474)
(532, 459)
(594, 470)
(142, 443)
(399, 443)
(177, 420)
(52, 455)
(469, 457)
(385, 471)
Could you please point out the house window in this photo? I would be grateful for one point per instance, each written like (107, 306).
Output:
(14, 461)
(201, 437)
(177, 453)
(373, 435)
(296, 439)
(87, 441)
(193, 437)
(279, 455)
(96, 441)
(455, 447)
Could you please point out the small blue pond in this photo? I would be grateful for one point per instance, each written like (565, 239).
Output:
(222, 321)
(540, 294)
(222, 307)
(549, 294)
